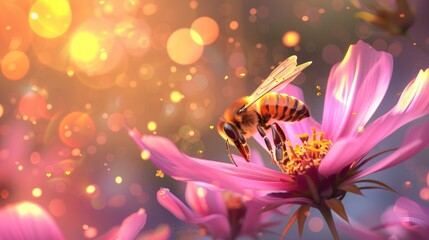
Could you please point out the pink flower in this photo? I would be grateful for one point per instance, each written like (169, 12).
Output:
(26, 220)
(326, 160)
(221, 214)
(405, 220)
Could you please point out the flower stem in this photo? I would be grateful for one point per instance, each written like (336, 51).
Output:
(327, 215)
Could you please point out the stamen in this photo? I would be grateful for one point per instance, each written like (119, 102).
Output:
(306, 155)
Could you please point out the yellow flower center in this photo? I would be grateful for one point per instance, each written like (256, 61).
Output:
(301, 157)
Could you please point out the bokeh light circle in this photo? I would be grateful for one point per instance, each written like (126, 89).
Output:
(116, 122)
(50, 18)
(185, 46)
(95, 49)
(15, 34)
(291, 38)
(135, 36)
(32, 106)
(15, 65)
(207, 28)
(76, 129)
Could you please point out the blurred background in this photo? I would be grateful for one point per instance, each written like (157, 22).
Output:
(74, 72)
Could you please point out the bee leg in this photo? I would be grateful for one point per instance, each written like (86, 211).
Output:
(279, 139)
(229, 153)
(267, 142)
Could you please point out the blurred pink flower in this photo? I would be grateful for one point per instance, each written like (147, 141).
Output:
(324, 161)
(26, 220)
(221, 214)
(405, 220)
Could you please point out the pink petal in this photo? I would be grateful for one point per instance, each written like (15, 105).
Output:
(245, 178)
(26, 220)
(408, 210)
(253, 221)
(343, 153)
(355, 89)
(203, 200)
(216, 224)
(130, 227)
(412, 104)
(416, 139)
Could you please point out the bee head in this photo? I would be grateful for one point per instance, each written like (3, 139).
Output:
(220, 128)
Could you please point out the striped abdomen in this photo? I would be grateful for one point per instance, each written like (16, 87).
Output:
(282, 107)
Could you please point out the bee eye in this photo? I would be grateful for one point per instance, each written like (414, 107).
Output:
(230, 131)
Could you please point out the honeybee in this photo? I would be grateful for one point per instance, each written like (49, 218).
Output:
(255, 113)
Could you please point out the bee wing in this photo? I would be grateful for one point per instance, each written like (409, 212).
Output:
(285, 73)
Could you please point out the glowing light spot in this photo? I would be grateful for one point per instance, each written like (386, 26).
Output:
(117, 201)
(291, 38)
(48, 174)
(89, 232)
(90, 189)
(315, 224)
(240, 72)
(84, 47)
(407, 184)
(207, 28)
(360, 129)
(118, 179)
(185, 46)
(176, 96)
(4, 194)
(33, 106)
(150, 9)
(57, 207)
(424, 194)
(20, 167)
(211, 127)
(145, 155)
(233, 25)
(151, 126)
(67, 172)
(15, 65)
(26, 208)
(146, 71)
(193, 4)
(50, 18)
(253, 11)
(201, 192)
(116, 121)
(37, 192)
(1, 110)
(318, 94)
(70, 73)
(76, 129)
(159, 174)
(304, 18)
